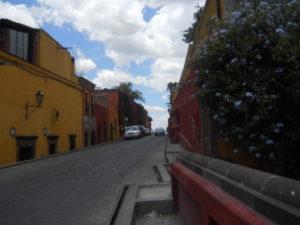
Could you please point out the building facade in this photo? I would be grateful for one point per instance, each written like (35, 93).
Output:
(101, 107)
(89, 116)
(113, 124)
(189, 121)
(41, 100)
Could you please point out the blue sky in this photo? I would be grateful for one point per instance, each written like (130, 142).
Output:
(115, 41)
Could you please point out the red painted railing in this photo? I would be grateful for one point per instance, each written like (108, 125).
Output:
(202, 203)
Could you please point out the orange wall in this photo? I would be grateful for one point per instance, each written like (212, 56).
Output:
(113, 113)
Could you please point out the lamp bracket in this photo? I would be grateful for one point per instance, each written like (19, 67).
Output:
(27, 106)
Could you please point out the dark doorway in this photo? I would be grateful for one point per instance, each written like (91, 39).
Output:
(52, 144)
(26, 153)
(72, 140)
(52, 149)
(105, 132)
(93, 135)
(25, 147)
(111, 132)
(86, 139)
(99, 135)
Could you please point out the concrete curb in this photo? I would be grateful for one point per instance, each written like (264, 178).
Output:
(163, 173)
(124, 215)
(116, 204)
(60, 154)
(135, 204)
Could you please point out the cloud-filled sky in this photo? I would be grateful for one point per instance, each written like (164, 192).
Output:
(115, 41)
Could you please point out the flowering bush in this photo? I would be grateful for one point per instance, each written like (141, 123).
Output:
(249, 75)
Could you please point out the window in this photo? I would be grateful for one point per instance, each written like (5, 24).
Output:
(92, 104)
(86, 103)
(19, 44)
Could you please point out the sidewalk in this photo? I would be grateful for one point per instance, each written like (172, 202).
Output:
(148, 201)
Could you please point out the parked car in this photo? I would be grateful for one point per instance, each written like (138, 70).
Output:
(143, 130)
(148, 131)
(132, 132)
(159, 131)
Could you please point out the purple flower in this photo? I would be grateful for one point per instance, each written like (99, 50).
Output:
(263, 137)
(234, 60)
(258, 155)
(276, 130)
(252, 148)
(280, 31)
(279, 125)
(237, 103)
(249, 94)
(269, 142)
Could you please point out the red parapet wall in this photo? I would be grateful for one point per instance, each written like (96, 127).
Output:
(185, 121)
(202, 203)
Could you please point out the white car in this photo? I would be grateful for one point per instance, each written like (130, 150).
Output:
(148, 131)
(132, 132)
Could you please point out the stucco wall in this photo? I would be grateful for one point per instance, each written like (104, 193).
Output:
(60, 114)
(53, 57)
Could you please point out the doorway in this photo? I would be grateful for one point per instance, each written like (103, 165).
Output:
(72, 141)
(26, 153)
(25, 147)
(52, 144)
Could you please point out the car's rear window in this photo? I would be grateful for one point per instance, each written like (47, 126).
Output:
(131, 128)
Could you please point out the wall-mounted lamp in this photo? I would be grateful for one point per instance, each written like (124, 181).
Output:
(55, 115)
(39, 97)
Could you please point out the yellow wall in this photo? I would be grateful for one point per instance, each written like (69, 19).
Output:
(225, 150)
(20, 81)
(52, 56)
(210, 10)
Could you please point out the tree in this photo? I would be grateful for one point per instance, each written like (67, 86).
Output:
(128, 105)
(248, 74)
(189, 34)
(170, 87)
(126, 88)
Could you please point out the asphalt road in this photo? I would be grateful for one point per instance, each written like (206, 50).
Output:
(77, 188)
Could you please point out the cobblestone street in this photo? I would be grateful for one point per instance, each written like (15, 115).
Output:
(77, 188)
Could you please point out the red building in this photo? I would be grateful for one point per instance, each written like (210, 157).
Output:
(101, 109)
(113, 126)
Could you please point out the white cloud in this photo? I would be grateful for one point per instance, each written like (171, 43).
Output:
(20, 13)
(159, 119)
(111, 78)
(120, 26)
(154, 108)
(84, 65)
(163, 71)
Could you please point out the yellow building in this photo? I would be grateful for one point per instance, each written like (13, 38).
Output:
(33, 68)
